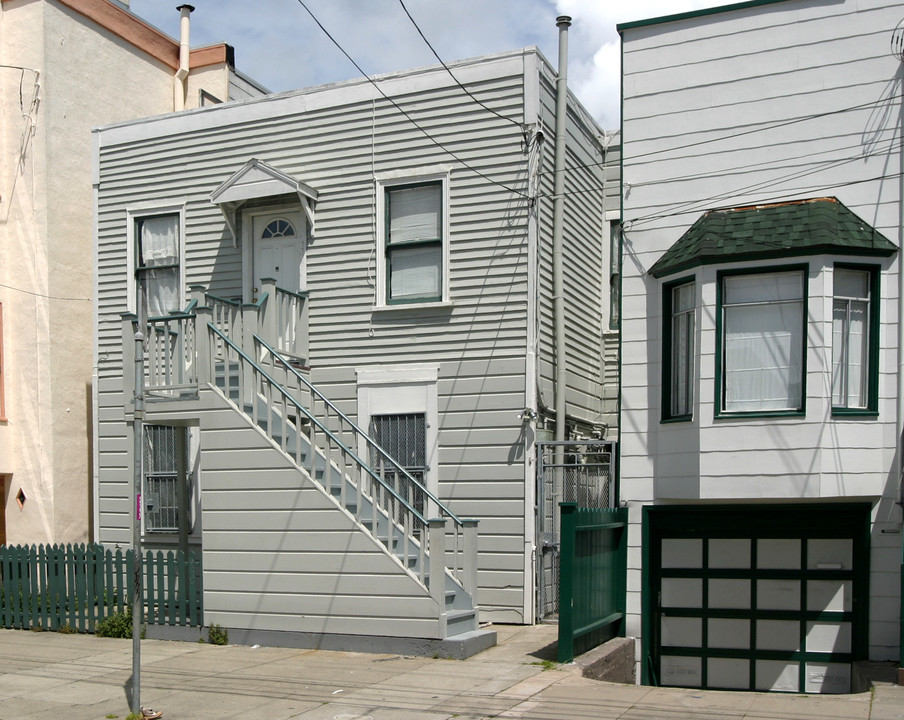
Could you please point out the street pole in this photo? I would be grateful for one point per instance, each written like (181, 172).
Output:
(138, 453)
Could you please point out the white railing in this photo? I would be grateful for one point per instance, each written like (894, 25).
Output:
(170, 356)
(381, 494)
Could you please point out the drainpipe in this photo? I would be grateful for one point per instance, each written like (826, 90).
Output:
(558, 292)
(184, 50)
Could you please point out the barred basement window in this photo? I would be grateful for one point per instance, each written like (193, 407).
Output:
(404, 438)
(165, 460)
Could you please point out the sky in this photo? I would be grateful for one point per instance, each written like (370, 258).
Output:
(278, 44)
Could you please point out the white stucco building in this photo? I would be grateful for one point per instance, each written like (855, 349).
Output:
(67, 66)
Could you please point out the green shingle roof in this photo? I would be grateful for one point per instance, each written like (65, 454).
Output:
(798, 227)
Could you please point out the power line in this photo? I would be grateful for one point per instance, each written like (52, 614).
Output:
(751, 131)
(467, 92)
(822, 189)
(46, 297)
(401, 110)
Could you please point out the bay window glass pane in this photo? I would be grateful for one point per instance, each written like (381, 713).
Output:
(682, 349)
(414, 273)
(763, 335)
(850, 339)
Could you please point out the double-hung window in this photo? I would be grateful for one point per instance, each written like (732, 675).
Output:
(854, 341)
(413, 243)
(157, 263)
(762, 319)
(678, 350)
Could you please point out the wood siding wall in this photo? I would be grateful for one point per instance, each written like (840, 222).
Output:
(785, 101)
(337, 139)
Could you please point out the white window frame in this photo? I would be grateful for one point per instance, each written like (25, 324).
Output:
(384, 182)
(867, 341)
(402, 390)
(133, 215)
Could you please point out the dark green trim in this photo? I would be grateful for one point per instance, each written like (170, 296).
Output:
(806, 521)
(389, 246)
(719, 403)
(781, 254)
(875, 301)
(665, 410)
(649, 613)
(621, 27)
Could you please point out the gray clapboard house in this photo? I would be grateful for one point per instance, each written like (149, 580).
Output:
(348, 357)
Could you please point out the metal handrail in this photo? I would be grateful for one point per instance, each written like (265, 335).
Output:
(360, 433)
(288, 396)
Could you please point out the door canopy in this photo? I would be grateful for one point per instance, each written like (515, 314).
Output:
(256, 180)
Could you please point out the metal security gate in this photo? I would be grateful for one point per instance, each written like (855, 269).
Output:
(585, 475)
(772, 597)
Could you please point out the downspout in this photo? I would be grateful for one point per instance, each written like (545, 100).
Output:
(179, 79)
(899, 424)
(558, 209)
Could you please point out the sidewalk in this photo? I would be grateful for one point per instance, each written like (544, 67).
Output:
(48, 676)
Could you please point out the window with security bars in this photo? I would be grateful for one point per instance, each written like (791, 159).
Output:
(404, 438)
(165, 461)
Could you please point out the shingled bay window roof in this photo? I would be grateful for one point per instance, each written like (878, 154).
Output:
(798, 227)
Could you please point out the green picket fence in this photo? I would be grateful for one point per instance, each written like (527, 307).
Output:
(53, 586)
(592, 581)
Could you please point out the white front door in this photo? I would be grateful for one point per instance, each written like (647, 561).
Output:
(278, 239)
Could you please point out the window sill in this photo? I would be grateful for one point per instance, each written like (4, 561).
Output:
(854, 413)
(677, 419)
(409, 307)
(760, 414)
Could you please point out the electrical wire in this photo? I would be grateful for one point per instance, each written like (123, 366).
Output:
(732, 136)
(46, 297)
(455, 79)
(402, 110)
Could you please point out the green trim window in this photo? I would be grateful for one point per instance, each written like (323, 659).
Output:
(762, 337)
(157, 263)
(615, 231)
(855, 347)
(679, 322)
(414, 243)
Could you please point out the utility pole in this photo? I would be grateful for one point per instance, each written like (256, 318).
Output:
(137, 559)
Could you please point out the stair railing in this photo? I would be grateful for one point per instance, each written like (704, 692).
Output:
(170, 354)
(461, 552)
(394, 521)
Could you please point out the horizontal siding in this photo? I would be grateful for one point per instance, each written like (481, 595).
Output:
(779, 102)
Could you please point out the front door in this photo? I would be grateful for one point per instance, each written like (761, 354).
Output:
(279, 250)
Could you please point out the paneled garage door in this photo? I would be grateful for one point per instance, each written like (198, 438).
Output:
(756, 598)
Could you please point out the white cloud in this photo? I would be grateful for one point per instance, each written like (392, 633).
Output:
(277, 43)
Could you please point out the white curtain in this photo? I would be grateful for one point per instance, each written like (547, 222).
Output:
(158, 247)
(415, 215)
(850, 346)
(763, 342)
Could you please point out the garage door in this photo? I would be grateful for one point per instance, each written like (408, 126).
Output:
(765, 598)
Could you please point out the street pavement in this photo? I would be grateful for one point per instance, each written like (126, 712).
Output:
(49, 676)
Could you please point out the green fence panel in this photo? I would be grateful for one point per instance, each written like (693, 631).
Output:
(592, 583)
(77, 585)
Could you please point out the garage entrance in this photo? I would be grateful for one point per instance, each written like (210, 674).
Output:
(756, 598)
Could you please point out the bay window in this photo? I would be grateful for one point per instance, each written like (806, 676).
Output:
(678, 350)
(762, 318)
(854, 341)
